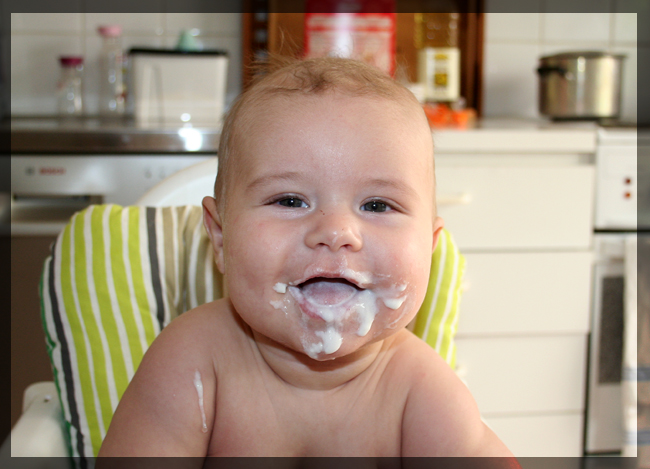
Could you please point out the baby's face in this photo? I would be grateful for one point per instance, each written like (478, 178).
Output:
(329, 224)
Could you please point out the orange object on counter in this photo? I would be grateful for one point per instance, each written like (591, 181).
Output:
(442, 116)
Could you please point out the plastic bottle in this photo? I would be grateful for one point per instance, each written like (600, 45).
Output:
(70, 89)
(112, 90)
(436, 39)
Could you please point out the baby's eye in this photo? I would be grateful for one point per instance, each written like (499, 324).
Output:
(375, 206)
(291, 202)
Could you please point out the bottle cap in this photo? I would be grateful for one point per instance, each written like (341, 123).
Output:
(111, 30)
(71, 60)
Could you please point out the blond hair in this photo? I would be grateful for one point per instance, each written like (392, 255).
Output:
(288, 77)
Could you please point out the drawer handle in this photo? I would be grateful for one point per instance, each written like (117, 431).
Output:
(460, 199)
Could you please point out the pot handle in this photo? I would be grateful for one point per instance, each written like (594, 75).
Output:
(542, 71)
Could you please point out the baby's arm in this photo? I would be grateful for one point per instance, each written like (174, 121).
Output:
(159, 413)
(441, 417)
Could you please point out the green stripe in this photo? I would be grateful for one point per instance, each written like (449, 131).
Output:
(49, 342)
(106, 312)
(67, 287)
(137, 275)
(96, 347)
(121, 285)
(452, 258)
(438, 310)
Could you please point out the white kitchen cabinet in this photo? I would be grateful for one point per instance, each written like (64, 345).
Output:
(526, 292)
(523, 218)
(560, 434)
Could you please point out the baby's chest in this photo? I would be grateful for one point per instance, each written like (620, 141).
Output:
(256, 424)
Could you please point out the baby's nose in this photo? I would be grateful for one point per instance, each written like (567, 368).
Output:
(334, 230)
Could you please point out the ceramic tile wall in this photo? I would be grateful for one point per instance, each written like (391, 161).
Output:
(38, 39)
(515, 41)
(513, 44)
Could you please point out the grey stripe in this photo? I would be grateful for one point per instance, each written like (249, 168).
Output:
(155, 269)
(66, 363)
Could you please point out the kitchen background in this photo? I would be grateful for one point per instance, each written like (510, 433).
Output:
(513, 43)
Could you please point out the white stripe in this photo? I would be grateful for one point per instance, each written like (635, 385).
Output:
(115, 306)
(129, 279)
(209, 275)
(94, 303)
(436, 292)
(145, 261)
(91, 365)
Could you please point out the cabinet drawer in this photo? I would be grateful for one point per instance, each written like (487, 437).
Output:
(540, 435)
(539, 292)
(495, 207)
(524, 374)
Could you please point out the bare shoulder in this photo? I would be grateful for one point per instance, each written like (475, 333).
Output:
(441, 417)
(159, 413)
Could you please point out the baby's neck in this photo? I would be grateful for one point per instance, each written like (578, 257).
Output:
(300, 371)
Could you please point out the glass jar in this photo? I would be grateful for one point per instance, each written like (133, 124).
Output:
(436, 39)
(70, 89)
(112, 90)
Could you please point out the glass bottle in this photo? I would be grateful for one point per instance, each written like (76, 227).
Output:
(70, 89)
(436, 40)
(112, 90)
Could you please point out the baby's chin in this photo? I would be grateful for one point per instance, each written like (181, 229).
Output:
(329, 341)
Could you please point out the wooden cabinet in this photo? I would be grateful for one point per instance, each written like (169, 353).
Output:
(523, 223)
(271, 26)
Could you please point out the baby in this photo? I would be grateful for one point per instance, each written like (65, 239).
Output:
(323, 222)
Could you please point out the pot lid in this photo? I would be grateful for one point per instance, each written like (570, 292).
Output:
(588, 54)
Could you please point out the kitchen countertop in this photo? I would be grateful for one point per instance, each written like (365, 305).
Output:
(114, 136)
(108, 136)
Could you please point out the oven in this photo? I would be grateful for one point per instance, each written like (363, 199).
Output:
(622, 219)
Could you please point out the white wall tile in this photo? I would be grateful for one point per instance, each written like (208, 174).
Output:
(513, 6)
(91, 73)
(46, 22)
(512, 26)
(575, 26)
(642, 10)
(35, 71)
(629, 91)
(132, 23)
(233, 46)
(625, 29)
(207, 23)
(510, 81)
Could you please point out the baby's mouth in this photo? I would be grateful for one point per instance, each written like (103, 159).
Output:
(321, 291)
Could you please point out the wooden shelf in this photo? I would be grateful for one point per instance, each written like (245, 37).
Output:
(283, 33)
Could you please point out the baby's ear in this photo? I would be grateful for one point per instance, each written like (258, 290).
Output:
(213, 225)
(438, 225)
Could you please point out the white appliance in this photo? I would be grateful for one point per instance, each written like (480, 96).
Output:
(617, 188)
(172, 86)
(47, 189)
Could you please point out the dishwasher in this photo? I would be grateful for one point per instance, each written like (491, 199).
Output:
(59, 167)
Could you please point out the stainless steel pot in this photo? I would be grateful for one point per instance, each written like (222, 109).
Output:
(580, 85)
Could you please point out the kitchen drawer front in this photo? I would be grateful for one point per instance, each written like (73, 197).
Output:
(558, 435)
(513, 208)
(531, 292)
(524, 374)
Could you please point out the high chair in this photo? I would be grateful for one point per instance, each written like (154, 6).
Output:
(117, 276)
